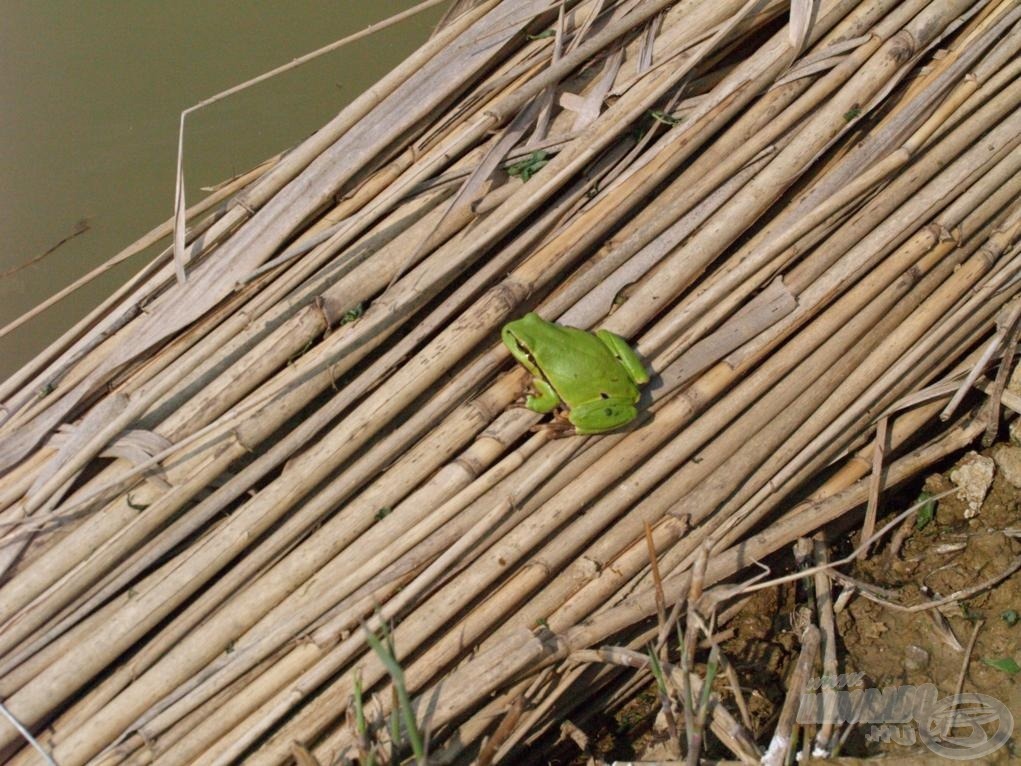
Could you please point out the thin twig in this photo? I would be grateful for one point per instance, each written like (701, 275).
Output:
(179, 195)
(783, 739)
(27, 735)
(960, 595)
(828, 630)
(656, 579)
(876, 480)
(851, 557)
(79, 228)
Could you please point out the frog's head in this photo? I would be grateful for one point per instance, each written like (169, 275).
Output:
(521, 335)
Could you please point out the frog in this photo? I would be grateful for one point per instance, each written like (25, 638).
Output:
(595, 376)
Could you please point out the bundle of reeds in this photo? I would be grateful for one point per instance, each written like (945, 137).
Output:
(224, 485)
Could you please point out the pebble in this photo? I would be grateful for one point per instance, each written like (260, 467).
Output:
(1014, 429)
(1008, 460)
(915, 658)
(973, 475)
(1014, 382)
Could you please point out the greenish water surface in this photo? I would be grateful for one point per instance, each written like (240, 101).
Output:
(91, 93)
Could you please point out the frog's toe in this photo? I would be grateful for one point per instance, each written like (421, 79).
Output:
(558, 428)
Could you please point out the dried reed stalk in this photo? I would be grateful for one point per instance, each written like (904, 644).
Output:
(821, 221)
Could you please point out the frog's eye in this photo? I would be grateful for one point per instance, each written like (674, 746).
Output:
(603, 395)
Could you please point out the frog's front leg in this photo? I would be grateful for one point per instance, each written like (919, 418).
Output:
(625, 355)
(546, 400)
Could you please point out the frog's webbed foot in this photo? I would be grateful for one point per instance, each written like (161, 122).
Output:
(625, 355)
(558, 428)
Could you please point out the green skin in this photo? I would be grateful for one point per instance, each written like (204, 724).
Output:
(595, 375)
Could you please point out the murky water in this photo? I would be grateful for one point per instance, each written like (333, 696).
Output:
(90, 96)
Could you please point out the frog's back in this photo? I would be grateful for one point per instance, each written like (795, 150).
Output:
(579, 358)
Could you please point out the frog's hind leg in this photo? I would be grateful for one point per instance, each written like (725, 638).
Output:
(625, 355)
(546, 400)
(603, 415)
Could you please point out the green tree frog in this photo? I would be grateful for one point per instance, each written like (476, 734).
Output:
(594, 375)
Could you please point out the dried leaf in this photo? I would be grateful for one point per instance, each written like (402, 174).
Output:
(180, 209)
(588, 107)
(803, 13)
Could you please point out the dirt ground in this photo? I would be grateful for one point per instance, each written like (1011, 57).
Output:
(945, 550)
